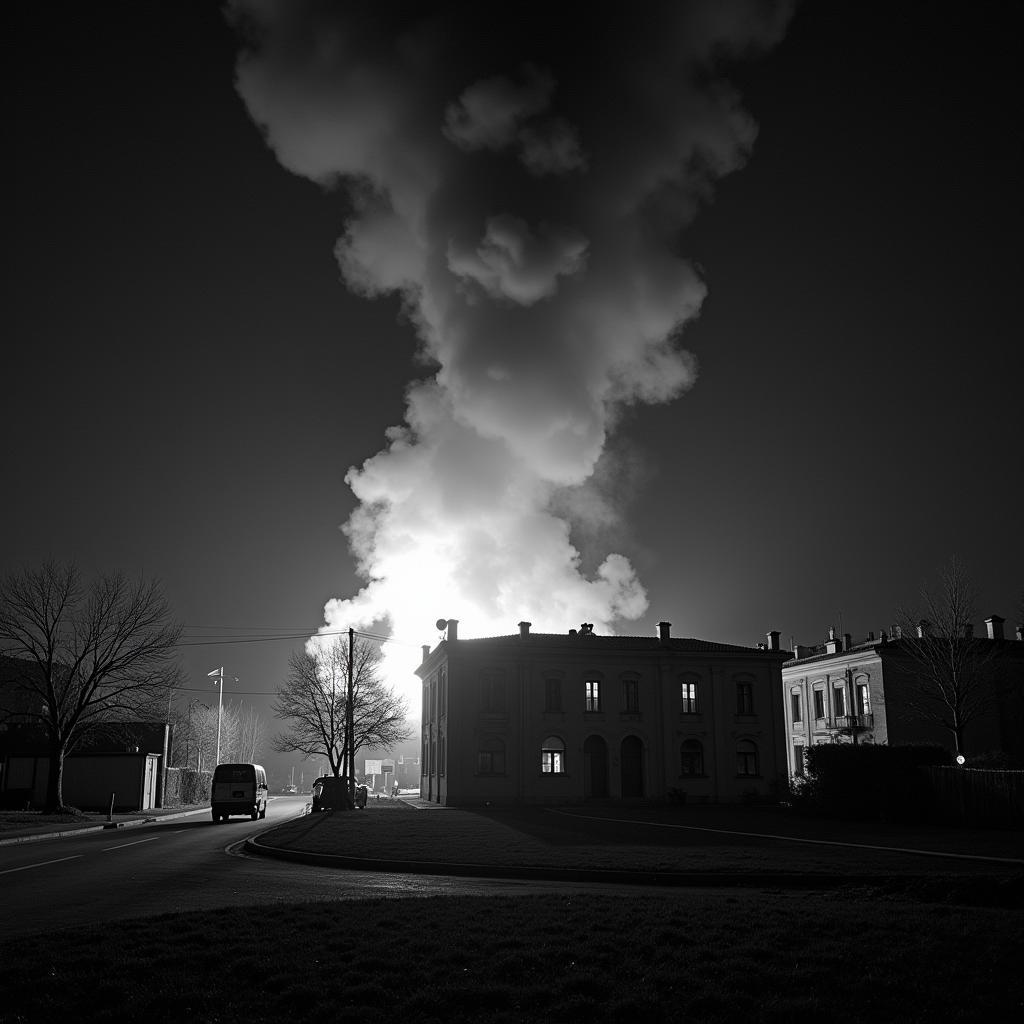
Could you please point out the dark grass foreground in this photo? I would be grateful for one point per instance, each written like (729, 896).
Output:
(652, 838)
(664, 957)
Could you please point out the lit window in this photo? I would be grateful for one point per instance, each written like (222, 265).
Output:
(819, 704)
(630, 695)
(688, 696)
(797, 707)
(490, 757)
(744, 698)
(552, 756)
(553, 695)
(863, 699)
(593, 694)
(691, 758)
(746, 758)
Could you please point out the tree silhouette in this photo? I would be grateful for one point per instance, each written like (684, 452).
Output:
(313, 701)
(84, 656)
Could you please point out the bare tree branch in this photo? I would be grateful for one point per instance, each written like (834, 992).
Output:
(83, 656)
(952, 673)
(313, 701)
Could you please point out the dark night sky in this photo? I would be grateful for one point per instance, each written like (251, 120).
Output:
(188, 380)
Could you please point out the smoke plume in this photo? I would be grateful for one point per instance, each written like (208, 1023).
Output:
(521, 182)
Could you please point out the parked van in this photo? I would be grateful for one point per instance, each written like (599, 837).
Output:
(238, 789)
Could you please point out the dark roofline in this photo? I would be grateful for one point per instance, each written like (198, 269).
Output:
(673, 645)
(892, 645)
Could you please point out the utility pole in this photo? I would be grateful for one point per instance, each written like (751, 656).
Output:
(350, 722)
(219, 673)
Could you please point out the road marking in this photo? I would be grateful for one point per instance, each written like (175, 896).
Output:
(796, 839)
(123, 845)
(41, 864)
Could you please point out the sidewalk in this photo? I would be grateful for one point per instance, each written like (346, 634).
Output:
(14, 831)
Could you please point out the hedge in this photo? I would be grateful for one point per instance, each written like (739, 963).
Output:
(868, 781)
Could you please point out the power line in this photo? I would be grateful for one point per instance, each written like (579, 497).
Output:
(216, 642)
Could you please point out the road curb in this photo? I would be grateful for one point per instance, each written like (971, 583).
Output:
(657, 879)
(101, 827)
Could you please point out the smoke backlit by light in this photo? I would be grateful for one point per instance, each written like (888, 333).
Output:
(523, 191)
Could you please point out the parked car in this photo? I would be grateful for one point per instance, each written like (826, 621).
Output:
(330, 793)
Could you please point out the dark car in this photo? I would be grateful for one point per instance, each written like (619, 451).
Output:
(330, 793)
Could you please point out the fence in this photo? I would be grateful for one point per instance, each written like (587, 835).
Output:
(977, 796)
(186, 786)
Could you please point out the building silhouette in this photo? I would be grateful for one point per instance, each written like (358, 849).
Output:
(547, 718)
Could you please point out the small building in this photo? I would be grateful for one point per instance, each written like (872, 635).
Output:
(551, 718)
(864, 691)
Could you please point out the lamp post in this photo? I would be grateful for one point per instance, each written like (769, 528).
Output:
(219, 673)
(199, 744)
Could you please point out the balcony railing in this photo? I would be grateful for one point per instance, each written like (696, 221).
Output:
(853, 723)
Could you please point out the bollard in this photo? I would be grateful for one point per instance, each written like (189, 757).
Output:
(110, 813)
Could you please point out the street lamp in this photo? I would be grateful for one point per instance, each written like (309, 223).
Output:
(219, 673)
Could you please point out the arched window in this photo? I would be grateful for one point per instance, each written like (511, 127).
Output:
(490, 756)
(746, 758)
(691, 758)
(552, 756)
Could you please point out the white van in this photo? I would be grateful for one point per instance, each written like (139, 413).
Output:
(238, 789)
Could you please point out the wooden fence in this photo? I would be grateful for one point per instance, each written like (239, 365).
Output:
(976, 796)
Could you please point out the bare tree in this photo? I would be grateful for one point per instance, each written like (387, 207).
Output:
(86, 655)
(313, 701)
(952, 674)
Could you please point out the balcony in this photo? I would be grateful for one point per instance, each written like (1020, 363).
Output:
(850, 725)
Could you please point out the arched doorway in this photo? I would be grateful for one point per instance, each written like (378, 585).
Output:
(632, 760)
(595, 767)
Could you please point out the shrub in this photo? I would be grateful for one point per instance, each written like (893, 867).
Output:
(995, 760)
(867, 781)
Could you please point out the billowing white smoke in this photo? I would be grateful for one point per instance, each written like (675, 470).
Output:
(522, 186)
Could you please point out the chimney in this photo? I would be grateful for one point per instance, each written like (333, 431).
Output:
(453, 629)
(994, 625)
(773, 640)
(832, 645)
(883, 637)
(524, 629)
(924, 628)
(897, 632)
(664, 631)
(1020, 632)
(847, 641)
(426, 651)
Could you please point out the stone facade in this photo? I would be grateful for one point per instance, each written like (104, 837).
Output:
(848, 691)
(552, 718)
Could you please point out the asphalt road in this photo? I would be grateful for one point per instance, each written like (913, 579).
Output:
(192, 864)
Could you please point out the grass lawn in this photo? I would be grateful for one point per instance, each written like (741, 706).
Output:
(28, 822)
(657, 839)
(660, 957)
